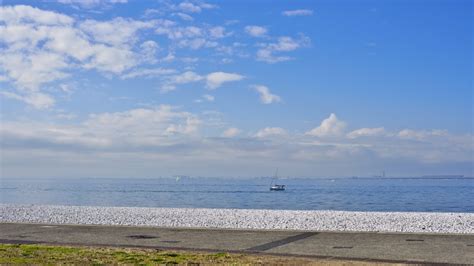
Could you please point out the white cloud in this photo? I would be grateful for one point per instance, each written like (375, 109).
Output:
(218, 32)
(50, 53)
(330, 127)
(208, 97)
(115, 32)
(216, 79)
(20, 14)
(225, 50)
(195, 7)
(266, 55)
(421, 134)
(226, 61)
(189, 60)
(142, 127)
(169, 28)
(66, 88)
(40, 47)
(148, 73)
(189, 7)
(256, 31)
(205, 5)
(170, 57)
(148, 51)
(367, 132)
(197, 43)
(213, 80)
(186, 77)
(156, 136)
(183, 78)
(231, 22)
(36, 99)
(91, 3)
(205, 97)
(231, 132)
(193, 37)
(266, 96)
(151, 124)
(184, 16)
(284, 44)
(271, 132)
(297, 12)
(29, 71)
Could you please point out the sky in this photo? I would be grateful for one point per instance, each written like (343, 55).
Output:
(157, 88)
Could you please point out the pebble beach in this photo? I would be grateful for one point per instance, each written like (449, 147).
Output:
(407, 222)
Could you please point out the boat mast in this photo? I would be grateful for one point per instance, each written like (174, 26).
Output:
(274, 177)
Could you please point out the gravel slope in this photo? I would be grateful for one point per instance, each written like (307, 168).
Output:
(414, 222)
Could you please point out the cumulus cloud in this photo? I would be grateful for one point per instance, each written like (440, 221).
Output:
(216, 79)
(115, 32)
(267, 52)
(143, 125)
(297, 12)
(148, 52)
(189, 7)
(184, 7)
(124, 131)
(192, 37)
(20, 14)
(213, 80)
(29, 71)
(256, 31)
(156, 136)
(218, 32)
(329, 127)
(174, 33)
(231, 132)
(271, 132)
(40, 47)
(366, 132)
(266, 96)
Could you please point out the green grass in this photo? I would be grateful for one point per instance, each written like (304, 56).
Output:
(53, 255)
(42, 254)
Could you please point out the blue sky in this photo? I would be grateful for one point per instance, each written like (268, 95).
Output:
(236, 88)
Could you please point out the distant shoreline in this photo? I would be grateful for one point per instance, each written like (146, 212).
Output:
(248, 178)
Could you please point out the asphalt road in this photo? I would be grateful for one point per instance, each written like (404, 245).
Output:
(375, 247)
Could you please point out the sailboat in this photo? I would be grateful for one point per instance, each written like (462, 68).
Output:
(276, 187)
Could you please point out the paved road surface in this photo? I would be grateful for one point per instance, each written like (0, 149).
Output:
(382, 247)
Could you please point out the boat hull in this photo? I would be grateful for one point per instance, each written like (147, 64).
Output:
(277, 188)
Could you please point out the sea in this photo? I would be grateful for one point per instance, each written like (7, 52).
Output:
(348, 194)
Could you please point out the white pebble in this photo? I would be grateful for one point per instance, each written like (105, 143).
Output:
(413, 222)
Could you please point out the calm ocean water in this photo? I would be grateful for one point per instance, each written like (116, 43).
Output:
(389, 194)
